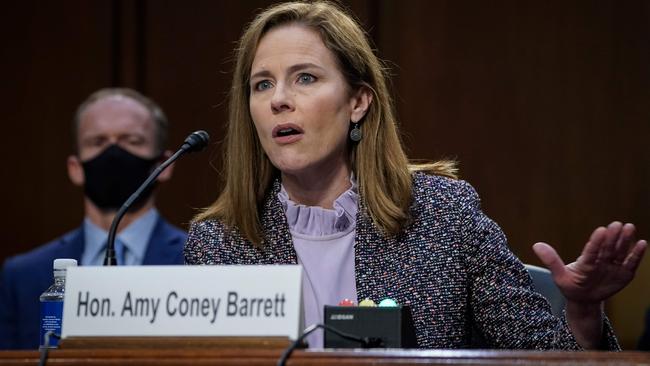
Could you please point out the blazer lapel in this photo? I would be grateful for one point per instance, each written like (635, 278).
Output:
(370, 247)
(72, 245)
(165, 245)
(278, 244)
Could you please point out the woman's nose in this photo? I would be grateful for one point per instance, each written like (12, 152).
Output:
(282, 100)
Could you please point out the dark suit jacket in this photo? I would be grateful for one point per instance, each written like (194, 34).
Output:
(26, 276)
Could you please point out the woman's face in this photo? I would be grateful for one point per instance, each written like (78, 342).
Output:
(300, 102)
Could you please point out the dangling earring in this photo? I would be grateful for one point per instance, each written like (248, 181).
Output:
(355, 133)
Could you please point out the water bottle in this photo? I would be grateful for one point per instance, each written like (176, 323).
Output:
(52, 303)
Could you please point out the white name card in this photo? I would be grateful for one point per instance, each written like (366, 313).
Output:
(183, 301)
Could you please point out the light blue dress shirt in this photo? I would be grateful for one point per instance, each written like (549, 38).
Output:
(135, 238)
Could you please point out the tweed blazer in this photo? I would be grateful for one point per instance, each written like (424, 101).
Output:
(451, 265)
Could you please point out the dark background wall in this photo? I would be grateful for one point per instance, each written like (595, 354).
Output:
(544, 103)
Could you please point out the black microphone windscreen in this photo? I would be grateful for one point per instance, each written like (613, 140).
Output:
(196, 141)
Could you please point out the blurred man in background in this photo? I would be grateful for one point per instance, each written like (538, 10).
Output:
(120, 137)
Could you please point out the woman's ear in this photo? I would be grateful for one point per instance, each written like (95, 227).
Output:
(360, 103)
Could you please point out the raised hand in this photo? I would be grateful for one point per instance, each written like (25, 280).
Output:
(607, 264)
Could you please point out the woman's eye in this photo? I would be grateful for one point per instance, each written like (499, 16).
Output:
(306, 78)
(263, 85)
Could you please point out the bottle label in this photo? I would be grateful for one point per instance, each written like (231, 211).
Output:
(51, 315)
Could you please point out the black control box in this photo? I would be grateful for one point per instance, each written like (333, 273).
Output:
(387, 327)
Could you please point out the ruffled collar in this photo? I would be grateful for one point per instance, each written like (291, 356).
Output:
(316, 221)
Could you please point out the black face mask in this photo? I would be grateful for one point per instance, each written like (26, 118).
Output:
(113, 176)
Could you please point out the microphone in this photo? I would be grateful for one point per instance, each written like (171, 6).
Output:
(195, 142)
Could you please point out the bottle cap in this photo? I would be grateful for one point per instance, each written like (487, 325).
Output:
(63, 263)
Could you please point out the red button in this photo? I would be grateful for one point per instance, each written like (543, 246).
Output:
(346, 302)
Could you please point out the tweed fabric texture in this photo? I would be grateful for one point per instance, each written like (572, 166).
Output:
(451, 265)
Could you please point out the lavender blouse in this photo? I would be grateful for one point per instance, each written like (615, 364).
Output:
(324, 242)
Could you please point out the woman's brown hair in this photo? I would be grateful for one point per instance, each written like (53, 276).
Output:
(379, 163)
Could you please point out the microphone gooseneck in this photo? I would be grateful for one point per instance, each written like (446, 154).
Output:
(195, 142)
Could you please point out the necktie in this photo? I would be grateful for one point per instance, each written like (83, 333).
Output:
(120, 252)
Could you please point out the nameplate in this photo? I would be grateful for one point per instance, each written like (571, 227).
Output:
(183, 301)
